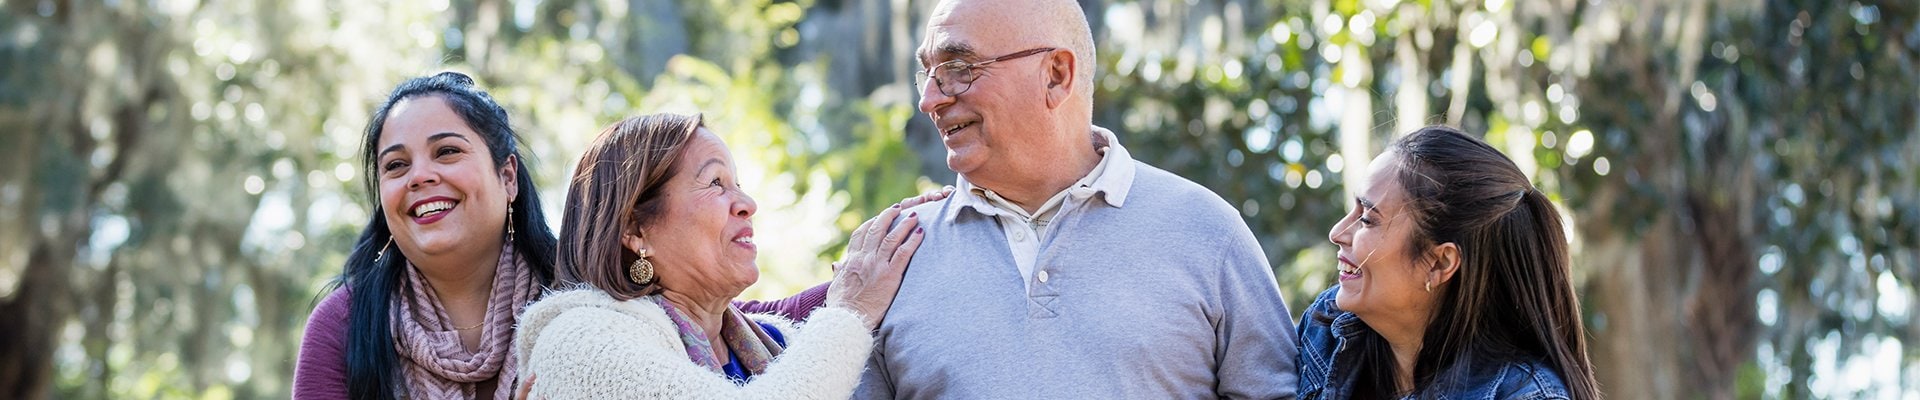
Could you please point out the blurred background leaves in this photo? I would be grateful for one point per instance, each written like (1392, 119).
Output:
(178, 177)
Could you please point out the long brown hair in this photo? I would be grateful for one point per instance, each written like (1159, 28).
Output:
(616, 190)
(1512, 299)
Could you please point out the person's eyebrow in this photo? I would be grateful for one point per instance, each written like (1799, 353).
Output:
(958, 50)
(430, 139)
(711, 162)
(1367, 204)
(953, 50)
(443, 135)
(395, 147)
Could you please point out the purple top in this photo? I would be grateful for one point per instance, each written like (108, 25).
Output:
(321, 372)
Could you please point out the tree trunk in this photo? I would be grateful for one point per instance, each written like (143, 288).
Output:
(1632, 291)
(31, 319)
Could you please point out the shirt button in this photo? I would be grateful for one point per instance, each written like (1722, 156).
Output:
(1042, 275)
(1019, 236)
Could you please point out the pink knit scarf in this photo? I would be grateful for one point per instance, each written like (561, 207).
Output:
(437, 365)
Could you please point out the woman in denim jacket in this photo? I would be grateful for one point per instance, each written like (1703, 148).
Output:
(1454, 284)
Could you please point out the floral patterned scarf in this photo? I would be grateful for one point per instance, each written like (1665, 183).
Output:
(751, 345)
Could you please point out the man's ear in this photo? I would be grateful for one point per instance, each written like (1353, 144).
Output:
(510, 176)
(1061, 67)
(1446, 261)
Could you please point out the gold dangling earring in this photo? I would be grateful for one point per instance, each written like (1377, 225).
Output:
(641, 271)
(383, 250)
(509, 220)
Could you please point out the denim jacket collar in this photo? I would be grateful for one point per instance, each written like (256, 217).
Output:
(1328, 364)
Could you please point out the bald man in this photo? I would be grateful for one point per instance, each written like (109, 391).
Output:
(1061, 267)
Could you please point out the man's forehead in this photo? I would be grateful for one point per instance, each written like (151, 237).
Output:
(960, 28)
(943, 47)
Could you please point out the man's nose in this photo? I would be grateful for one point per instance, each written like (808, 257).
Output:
(932, 99)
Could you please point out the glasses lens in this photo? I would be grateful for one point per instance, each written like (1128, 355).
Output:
(955, 78)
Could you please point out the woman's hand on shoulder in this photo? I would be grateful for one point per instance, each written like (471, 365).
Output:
(526, 388)
(866, 280)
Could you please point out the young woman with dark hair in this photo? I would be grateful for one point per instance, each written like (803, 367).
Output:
(1454, 283)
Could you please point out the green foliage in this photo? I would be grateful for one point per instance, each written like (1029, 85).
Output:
(1712, 154)
(200, 160)
(180, 180)
(1250, 135)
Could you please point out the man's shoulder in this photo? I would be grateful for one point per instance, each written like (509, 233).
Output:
(1158, 192)
(948, 212)
(931, 208)
(1147, 176)
(1161, 187)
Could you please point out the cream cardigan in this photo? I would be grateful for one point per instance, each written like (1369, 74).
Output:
(581, 343)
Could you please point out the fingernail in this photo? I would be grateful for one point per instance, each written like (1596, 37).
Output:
(896, 205)
(913, 214)
(918, 230)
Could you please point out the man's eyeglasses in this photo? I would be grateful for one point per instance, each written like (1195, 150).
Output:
(955, 77)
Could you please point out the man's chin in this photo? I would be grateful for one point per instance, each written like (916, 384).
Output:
(961, 163)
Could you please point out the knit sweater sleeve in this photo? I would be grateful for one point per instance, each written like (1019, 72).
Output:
(595, 352)
(321, 372)
(795, 308)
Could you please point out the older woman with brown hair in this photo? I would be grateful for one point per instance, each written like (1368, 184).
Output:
(658, 240)
(1454, 284)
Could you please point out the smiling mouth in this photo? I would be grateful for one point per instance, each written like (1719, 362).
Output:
(744, 238)
(956, 128)
(432, 208)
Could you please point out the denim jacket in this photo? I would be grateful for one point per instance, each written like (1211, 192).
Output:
(1328, 365)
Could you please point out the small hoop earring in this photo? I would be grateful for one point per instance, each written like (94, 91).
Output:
(641, 270)
(1429, 286)
(383, 250)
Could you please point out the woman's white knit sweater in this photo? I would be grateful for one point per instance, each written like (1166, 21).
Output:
(581, 343)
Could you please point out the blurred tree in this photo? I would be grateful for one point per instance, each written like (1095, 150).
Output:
(174, 185)
(1694, 142)
(1704, 128)
(1740, 175)
(175, 198)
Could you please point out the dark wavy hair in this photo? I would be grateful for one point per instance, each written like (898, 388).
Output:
(373, 364)
(1512, 299)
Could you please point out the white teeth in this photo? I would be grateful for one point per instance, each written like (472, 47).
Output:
(744, 239)
(1350, 270)
(432, 207)
(957, 128)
